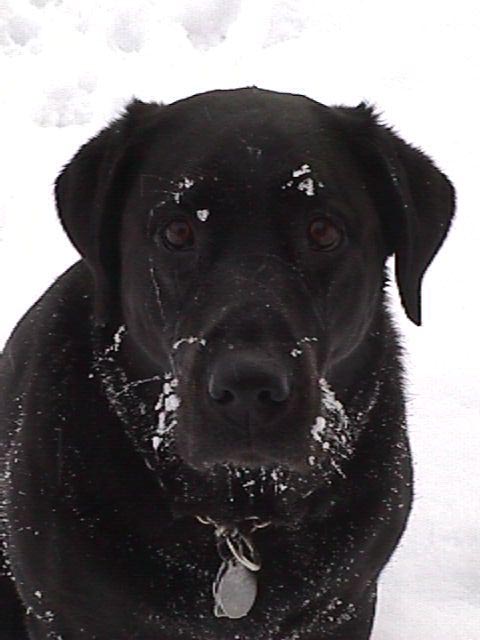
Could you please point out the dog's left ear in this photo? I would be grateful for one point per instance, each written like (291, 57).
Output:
(415, 199)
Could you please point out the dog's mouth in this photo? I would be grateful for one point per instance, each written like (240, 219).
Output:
(229, 494)
(251, 457)
(255, 480)
(269, 477)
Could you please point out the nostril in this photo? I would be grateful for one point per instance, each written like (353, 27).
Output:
(224, 397)
(265, 396)
(273, 395)
(280, 390)
(218, 391)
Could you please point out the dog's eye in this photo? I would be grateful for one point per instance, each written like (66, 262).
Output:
(178, 235)
(324, 234)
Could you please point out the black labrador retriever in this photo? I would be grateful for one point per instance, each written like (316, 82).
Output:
(203, 423)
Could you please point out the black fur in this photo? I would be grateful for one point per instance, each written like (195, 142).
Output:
(250, 375)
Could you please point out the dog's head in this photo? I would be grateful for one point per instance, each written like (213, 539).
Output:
(240, 238)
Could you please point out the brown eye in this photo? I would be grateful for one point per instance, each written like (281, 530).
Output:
(324, 234)
(178, 235)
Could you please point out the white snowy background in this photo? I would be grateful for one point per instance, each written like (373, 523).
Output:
(67, 67)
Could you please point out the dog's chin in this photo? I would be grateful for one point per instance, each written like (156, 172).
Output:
(231, 493)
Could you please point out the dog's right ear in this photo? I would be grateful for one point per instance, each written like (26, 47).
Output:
(89, 195)
(415, 200)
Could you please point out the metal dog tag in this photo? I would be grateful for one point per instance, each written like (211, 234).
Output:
(234, 590)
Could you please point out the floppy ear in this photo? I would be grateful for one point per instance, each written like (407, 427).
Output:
(89, 195)
(415, 199)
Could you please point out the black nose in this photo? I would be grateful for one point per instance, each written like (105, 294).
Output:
(249, 388)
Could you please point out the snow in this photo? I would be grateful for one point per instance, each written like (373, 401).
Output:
(156, 442)
(295, 353)
(67, 68)
(202, 214)
(167, 403)
(317, 428)
(333, 431)
(307, 186)
(304, 169)
(184, 185)
(118, 337)
(172, 402)
(190, 340)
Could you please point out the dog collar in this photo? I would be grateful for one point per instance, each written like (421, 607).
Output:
(235, 586)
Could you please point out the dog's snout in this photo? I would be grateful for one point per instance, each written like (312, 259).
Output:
(249, 388)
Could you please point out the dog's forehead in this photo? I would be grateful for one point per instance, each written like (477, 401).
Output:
(299, 151)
